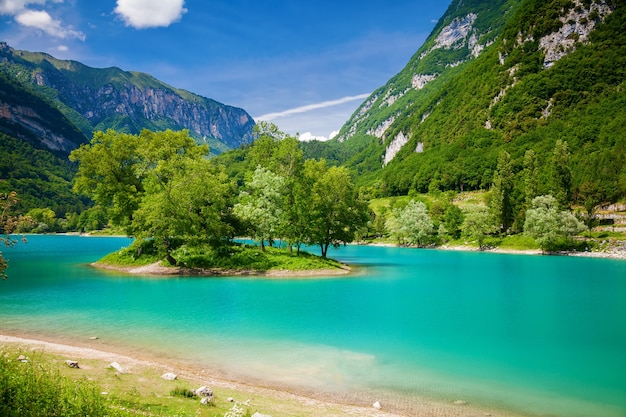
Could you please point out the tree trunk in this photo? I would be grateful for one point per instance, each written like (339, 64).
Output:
(262, 245)
(171, 259)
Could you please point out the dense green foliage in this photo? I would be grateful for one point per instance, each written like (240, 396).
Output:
(162, 190)
(502, 101)
(40, 178)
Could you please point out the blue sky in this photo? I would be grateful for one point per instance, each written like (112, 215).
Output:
(304, 65)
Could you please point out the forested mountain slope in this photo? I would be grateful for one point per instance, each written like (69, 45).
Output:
(499, 75)
(35, 139)
(110, 98)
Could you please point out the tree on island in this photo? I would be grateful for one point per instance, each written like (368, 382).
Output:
(336, 213)
(158, 185)
(298, 201)
(260, 206)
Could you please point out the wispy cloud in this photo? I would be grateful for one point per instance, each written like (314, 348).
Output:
(38, 19)
(310, 107)
(142, 14)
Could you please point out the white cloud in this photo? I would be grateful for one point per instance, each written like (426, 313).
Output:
(12, 7)
(142, 14)
(304, 109)
(62, 48)
(40, 19)
(308, 136)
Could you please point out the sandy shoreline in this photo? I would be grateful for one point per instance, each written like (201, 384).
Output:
(308, 402)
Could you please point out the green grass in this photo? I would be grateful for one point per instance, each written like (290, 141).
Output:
(46, 387)
(233, 257)
(33, 388)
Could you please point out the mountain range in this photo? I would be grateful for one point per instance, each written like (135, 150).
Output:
(126, 101)
(494, 76)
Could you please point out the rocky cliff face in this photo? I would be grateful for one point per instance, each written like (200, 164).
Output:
(29, 117)
(98, 99)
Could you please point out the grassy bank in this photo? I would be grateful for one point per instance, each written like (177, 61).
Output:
(233, 258)
(35, 381)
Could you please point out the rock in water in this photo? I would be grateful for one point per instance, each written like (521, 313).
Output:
(377, 405)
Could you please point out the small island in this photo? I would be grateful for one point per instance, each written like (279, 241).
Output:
(236, 259)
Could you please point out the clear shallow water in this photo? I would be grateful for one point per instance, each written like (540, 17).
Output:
(536, 334)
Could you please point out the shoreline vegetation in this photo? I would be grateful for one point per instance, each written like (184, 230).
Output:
(315, 266)
(133, 385)
(233, 260)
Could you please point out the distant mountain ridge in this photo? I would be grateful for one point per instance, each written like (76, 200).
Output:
(498, 75)
(110, 98)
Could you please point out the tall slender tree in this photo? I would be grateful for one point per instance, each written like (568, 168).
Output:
(561, 174)
(501, 200)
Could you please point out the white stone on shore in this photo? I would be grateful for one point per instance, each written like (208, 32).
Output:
(377, 405)
(72, 364)
(205, 400)
(117, 367)
(257, 414)
(204, 391)
(169, 376)
(460, 402)
(230, 399)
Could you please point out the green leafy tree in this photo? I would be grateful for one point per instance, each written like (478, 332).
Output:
(530, 177)
(261, 206)
(191, 207)
(411, 224)
(109, 173)
(477, 224)
(113, 166)
(546, 223)
(44, 218)
(561, 174)
(336, 212)
(452, 221)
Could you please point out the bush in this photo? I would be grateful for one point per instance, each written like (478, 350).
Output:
(182, 392)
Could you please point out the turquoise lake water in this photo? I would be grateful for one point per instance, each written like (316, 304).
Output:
(541, 335)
